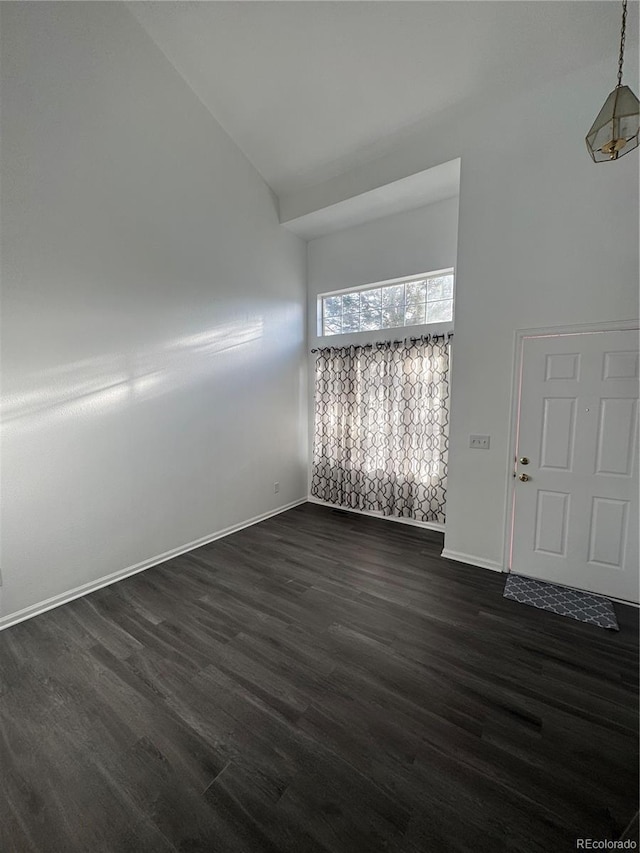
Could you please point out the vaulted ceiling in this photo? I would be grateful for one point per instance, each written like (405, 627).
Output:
(305, 89)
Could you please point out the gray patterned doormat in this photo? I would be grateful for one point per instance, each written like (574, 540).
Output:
(560, 599)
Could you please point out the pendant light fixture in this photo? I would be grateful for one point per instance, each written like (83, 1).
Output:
(615, 130)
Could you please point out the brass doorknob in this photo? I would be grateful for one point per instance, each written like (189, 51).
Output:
(524, 460)
(523, 477)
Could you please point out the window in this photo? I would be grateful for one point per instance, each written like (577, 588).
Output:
(415, 301)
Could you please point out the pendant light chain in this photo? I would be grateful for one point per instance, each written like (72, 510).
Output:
(616, 130)
(622, 35)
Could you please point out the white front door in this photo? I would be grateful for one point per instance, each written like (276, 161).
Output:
(575, 506)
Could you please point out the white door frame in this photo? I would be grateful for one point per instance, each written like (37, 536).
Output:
(518, 344)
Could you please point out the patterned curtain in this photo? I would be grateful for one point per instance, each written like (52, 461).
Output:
(382, 428)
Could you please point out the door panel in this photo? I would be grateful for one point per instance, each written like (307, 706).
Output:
(576, 513)
(608, 536)
(616, 431)
(563, 366)
(552, 515)
(558, 421)
(620, 365)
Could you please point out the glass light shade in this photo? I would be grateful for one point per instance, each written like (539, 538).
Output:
(615, 130)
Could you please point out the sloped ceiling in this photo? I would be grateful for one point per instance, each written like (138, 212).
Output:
(306, 88)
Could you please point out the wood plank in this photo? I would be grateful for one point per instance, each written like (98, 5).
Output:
(321, 681)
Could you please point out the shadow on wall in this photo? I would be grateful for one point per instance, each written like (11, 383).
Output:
(91, 386)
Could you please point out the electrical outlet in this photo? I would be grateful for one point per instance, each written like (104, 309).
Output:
(479, 442)
(276, 488)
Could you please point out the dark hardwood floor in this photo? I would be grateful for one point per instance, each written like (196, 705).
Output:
(319, 682)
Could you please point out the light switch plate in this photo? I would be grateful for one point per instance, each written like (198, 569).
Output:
(479, 442)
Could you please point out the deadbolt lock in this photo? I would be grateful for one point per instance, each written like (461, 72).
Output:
(523, 477)
(524, 460)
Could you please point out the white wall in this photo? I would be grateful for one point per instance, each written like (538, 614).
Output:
(545, 238)
(404, 244)
(152, 310)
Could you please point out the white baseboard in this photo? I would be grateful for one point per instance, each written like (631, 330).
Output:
(92, 586)
(635, 604)
(426, 525)
(471, 560)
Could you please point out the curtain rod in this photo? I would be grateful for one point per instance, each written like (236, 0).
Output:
(382, 344)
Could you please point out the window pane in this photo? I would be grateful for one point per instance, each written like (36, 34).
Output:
(447, 287)
(393, 296)
(351, 322)
(440, 312)
(333, 327)
(370, 298)
(369, 325)
(416, 292)
(414, 314)
(351, 302)
(440, 288)
(332, 306)
(392, 317)
(370, 318)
